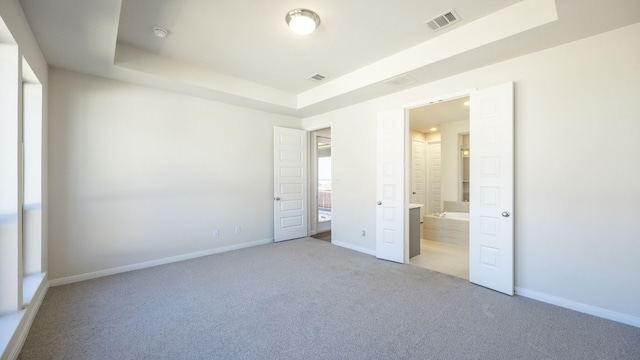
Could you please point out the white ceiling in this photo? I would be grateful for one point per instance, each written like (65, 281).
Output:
(424, 118)
(250, 39)
(241, 51)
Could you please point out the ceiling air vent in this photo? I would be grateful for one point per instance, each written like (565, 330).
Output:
(442, 20)
(316, 77)
(401, 80)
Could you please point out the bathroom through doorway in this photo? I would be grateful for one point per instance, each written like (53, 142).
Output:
(439, 181)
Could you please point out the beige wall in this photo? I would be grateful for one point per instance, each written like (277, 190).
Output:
(576, 188)
(139, 174)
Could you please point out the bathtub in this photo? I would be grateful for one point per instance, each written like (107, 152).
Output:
(456, 215)
(451, 228)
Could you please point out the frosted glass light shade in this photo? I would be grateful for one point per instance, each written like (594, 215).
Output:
(302, 21)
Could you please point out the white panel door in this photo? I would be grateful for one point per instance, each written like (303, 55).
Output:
(491, 189)
(290, 183)
(418, 173)
(434, 174)
(390, 178)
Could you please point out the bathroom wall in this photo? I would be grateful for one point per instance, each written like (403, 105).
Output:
(434, 136)
(451, 162)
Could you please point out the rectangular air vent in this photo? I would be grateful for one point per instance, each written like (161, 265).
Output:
(445, 19)
(317, 77)
(401, 80)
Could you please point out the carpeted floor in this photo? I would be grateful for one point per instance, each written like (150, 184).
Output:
(309, 299)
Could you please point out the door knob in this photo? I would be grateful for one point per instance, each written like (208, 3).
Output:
(277, 198)
(505, 214)
(414, 193)
(379, 202)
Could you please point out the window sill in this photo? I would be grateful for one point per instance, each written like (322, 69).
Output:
(11, 324)
(30, 285)
(8, 326)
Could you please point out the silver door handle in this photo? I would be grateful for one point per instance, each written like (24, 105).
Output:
(505, 214)
(276, 199)
(379, 202)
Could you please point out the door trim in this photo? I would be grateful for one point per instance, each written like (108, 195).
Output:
(313, 181)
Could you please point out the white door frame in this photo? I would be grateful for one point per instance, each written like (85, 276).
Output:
(313, 181)
(310, 201)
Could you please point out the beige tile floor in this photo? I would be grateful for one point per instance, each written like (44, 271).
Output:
(444, 258)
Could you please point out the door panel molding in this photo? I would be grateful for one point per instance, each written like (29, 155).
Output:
(491, 242)
(390, 186)
(290, 183)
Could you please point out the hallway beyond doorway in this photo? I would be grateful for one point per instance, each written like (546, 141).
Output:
(326, 236)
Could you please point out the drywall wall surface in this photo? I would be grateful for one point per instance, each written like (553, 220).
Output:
(576, 173)
(452, 158)
(353, 187)
(138, 174)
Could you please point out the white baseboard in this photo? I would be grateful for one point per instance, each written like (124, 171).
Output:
(354, 247)
(583, 308)
(147, 264)
(22, 330)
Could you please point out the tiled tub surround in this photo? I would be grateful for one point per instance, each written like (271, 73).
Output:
(457, 206)
(451, 228)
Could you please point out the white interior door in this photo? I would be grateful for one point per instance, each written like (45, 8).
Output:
(434, 175)
(290, 185)
(390, 211)
(491, 189)
(418, 173)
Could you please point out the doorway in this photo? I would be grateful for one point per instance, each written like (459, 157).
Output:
(491, 161)
(321, 185)
(439, 164)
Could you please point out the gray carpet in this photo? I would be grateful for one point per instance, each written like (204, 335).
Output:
(309, 299)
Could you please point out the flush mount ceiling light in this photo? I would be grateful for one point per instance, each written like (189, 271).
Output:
(302, 21)
(160, 32)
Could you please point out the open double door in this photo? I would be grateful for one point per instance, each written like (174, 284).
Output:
(491, 256)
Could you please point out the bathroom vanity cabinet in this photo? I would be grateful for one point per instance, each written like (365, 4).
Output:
(414, 229)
